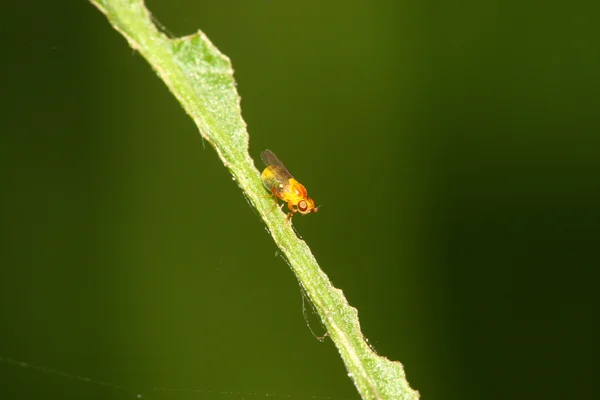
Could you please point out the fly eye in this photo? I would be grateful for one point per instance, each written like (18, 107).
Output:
(302, 206)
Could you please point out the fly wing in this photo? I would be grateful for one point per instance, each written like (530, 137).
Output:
(271, 160)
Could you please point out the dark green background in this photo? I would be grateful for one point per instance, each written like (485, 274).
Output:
(453, 147)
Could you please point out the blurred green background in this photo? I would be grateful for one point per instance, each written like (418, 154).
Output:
(453, 147)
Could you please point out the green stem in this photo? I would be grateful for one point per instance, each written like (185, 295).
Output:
(202, 80)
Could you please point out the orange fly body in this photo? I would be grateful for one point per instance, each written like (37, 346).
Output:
(282, 184)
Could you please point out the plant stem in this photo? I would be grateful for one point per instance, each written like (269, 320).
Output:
(201, 78)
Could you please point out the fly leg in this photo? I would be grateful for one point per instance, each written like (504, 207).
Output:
(275, 193)
(290, 214)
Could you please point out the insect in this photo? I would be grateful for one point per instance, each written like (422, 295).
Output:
(282, 184)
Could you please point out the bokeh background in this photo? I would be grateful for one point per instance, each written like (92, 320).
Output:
(453, 147)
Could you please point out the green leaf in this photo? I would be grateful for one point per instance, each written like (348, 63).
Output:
(201, 78)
